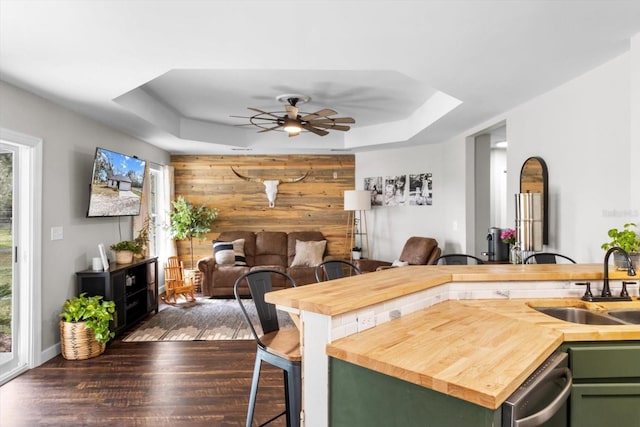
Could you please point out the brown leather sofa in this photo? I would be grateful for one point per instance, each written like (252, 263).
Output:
(264, 249)
(416, 251)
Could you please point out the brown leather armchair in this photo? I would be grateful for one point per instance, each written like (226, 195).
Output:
(417, 251)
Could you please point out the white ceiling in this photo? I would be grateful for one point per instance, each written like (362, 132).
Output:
(410, 72)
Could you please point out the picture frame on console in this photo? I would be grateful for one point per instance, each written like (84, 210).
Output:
(103, 256)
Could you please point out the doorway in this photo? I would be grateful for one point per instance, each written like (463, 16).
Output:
(490, 183)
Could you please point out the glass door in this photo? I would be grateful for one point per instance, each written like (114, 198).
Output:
(8, 274)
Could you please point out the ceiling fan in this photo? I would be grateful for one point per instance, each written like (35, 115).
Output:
(293, 121)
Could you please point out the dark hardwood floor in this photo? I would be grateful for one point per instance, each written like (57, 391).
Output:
(199, 383)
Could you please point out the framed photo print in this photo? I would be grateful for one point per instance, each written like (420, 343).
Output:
(421, 189)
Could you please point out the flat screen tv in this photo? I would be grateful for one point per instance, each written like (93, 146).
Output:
(116, 184)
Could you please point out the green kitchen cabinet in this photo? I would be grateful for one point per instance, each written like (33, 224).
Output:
(606, 404)
(606, 378)
(361, 397)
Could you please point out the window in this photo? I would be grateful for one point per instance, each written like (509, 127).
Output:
(157, 196)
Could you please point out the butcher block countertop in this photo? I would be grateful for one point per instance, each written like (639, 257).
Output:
(343, 295)
(476, 350)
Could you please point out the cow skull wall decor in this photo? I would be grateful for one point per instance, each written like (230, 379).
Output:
(270, 185)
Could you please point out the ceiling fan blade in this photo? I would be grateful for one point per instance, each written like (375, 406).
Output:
(335, 120)
(330, 126)
(263, 112)
(269, 129)
(314, 130)
(292, 111)
(322, 113)
(269, 119)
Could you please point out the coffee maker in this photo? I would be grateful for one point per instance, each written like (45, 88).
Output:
(497, 250)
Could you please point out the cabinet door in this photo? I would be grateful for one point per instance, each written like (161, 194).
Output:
(606, 404)
(94, 284)
(603, 361)
(152, 286)
(118, 289)
(359, 397)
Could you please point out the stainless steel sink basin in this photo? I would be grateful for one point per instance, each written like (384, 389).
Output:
(626, 315)
(580, 315)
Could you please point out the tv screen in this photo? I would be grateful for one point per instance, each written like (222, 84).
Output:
(116, 184)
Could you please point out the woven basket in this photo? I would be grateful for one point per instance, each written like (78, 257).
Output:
(78, 342)
(196, 275)
(124, 257)
(197, 281)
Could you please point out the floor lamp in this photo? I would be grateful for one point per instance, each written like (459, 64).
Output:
(357, 202)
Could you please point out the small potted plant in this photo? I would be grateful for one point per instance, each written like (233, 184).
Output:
(628, 240)
(509, 237)
(125, 250)
(142, 239)
(85, 326)
(356, 252)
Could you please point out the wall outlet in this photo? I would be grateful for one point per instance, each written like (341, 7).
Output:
(395, 314)
(366, 320)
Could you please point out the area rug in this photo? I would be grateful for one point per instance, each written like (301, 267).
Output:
(202, 320)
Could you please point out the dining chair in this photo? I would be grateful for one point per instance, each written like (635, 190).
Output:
(547, 258)
(278, 347)
(458, 259)
(335, 269)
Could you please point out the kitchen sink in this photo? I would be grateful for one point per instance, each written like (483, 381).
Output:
(583, 316)
(628, 315)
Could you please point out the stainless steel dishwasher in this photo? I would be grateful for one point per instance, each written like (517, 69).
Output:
(542, 399)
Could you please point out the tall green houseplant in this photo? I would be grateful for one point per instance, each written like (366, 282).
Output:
(188, 221)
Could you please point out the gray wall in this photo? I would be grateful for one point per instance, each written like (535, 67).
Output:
(586, 132)
(69, 142)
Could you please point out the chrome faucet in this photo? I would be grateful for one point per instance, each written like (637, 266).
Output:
(606, 291)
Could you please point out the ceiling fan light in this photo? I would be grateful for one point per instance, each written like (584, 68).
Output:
(292, 127)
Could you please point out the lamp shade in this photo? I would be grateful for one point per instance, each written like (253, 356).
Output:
(357, 200)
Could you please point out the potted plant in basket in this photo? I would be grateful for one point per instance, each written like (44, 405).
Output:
(125, 250)
(85, 326)
(628, 240)
(356, 252)
(188, 221)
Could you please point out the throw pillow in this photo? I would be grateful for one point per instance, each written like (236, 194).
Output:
(308, 254)
(238, 253)
(229, 253)
(223, 252)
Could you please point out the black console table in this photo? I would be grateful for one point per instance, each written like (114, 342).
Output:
(133, 287)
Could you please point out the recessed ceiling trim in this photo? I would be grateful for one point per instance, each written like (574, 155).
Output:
(436, 107)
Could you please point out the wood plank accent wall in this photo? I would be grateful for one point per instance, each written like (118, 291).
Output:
(316, 203)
